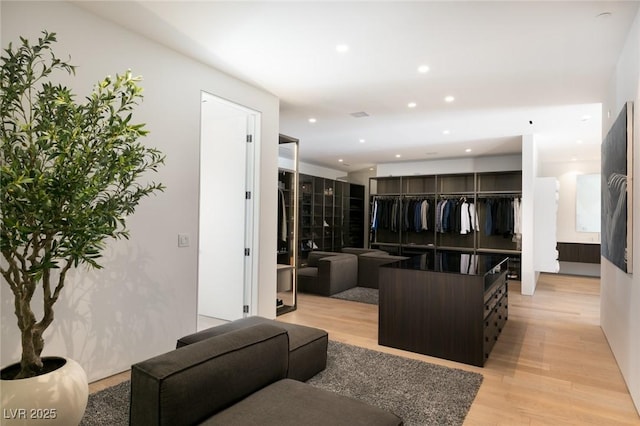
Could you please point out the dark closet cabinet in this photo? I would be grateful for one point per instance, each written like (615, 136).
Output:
(445, 304)
(398, 196)
(331, 214)
(285, 216)
(288, 216)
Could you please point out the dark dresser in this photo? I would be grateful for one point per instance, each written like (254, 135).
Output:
(444, 304)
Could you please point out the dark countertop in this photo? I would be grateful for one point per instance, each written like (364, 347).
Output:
(454, 263)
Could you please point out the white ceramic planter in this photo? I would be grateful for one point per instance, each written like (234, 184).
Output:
(56, 398)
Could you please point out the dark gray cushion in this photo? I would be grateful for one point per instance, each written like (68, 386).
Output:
(369, 267)
(358, 251)
(310, 272)
(220, 329)
(307, 345)
(192, 383)
(315, 256)
(335, 273)
(288, 402)
(338, 273)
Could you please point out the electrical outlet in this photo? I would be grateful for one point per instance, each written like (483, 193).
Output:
(183, 240)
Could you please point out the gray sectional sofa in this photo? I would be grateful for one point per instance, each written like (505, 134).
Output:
(369, 267)
(369, 262)
(307, 345)
(238, 378)
(328, 273)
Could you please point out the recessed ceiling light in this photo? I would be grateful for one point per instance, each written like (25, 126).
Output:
(340, 160)
(585, 117)
(362, 141)
(449, 98)
(371, 168)
(398, 155)
(445, 132)
(412, 104)
(422, 69)
(342, 48)
(579, 141)
(467, 150)
(603, 15)
(312, 120)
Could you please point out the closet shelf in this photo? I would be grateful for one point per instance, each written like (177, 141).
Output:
(396, 197)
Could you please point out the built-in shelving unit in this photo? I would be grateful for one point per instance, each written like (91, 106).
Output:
(399, 193)
(331, 215)
(286, 221)
(354, 214)
(288, 214)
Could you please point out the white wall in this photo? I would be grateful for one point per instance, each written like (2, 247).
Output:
(620, 292)
(323, 172)
(310, 169)
(529, 276)
(454, 165)
(545, 219)
(145, 297)
(566, 174)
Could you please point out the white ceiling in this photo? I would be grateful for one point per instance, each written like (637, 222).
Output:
(506, 64)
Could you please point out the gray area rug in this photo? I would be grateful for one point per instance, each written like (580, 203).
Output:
(419, 392)
(359, 294)
(108, 407)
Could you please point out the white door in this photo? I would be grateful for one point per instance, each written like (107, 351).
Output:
(226, 226)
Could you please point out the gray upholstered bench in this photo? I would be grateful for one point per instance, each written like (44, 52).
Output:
(239, 378)
(307, 345)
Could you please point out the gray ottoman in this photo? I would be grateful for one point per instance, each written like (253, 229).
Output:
(307, 345)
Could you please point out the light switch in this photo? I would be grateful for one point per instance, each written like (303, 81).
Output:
(183, 240)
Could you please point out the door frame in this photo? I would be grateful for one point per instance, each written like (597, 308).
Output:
(252, 169)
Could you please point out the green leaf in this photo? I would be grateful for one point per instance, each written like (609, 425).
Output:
(70, 170)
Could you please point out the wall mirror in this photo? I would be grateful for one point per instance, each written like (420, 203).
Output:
(588, 203)
(287, 247)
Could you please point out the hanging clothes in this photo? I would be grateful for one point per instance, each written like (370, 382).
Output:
(455, 220)
(517, 215)
(488, 218)
(438, 222)
(424, 214)
(374, 215)
(473, 215)
(465, 218)
(446, 216)
(387, 213)
(282, 222)
(502, 216)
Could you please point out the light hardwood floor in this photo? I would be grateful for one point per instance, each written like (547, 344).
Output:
(551, 365)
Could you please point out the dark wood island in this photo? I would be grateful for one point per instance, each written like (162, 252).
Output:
(445, 304)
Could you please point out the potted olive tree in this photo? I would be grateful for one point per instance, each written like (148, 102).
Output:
(71, 172)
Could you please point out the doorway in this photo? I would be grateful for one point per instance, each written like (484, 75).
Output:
(226, 258)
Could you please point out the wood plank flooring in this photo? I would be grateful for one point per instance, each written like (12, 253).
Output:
(551, 365)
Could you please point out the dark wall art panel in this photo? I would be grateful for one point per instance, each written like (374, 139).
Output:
(616, 217)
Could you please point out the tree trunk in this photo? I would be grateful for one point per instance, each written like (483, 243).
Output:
(30, 362)
(23, 285)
